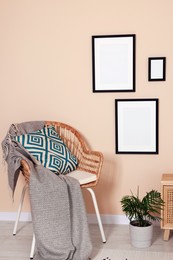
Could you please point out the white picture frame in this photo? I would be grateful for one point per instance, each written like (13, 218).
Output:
(136, 126)
(113, 63)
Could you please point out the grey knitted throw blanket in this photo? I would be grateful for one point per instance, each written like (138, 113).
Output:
(57, 206)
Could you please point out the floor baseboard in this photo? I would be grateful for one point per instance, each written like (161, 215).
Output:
(11, 216)
(109, 219)
(106, 219)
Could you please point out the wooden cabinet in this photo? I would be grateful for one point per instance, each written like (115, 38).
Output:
(167, 196)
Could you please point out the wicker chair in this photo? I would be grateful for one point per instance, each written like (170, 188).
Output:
(88, 170)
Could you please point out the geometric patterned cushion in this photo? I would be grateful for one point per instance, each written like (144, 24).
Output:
(49, 149)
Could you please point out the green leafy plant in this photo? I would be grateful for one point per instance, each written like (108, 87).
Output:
(141, 212)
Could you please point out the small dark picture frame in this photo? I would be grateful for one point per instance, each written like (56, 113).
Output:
(157, 69)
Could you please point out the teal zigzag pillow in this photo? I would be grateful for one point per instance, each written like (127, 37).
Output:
(49, 149)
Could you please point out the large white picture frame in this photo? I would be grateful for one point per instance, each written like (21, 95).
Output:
(113, 63)
(136, 126)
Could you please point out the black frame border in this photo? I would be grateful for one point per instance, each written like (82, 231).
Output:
(149, 69)
(134, 62)
(157, 126)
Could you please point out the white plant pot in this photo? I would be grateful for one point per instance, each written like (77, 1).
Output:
(141, 237)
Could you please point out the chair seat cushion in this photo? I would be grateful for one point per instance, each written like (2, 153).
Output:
(82, 176)
(49, 149)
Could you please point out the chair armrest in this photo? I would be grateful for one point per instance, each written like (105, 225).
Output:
(91, 161)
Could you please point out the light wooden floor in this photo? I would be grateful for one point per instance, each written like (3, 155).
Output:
(18, 247)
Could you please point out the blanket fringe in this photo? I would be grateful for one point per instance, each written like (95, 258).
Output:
(13, 130)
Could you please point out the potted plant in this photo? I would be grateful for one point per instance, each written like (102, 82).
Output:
(141, 213)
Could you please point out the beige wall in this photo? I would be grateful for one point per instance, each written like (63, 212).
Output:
(46, 73)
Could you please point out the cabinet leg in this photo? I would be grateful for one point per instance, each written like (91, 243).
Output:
(166, 234)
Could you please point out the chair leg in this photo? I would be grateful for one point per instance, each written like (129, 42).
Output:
(19, 209)
(97, 214)
(32, 247)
